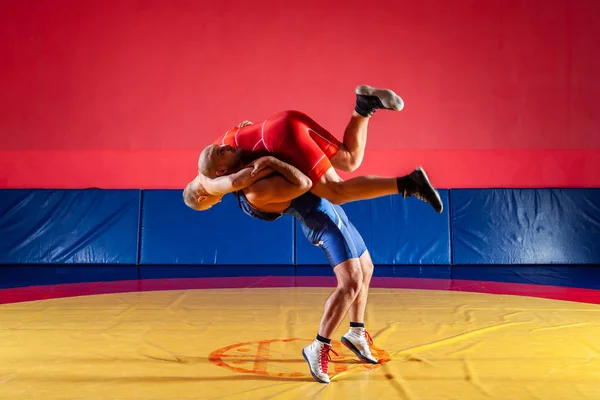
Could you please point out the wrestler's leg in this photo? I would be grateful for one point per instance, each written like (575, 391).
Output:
(356, 248)
(351, 154)
(356, 313)
(345, 250)
(348, 156)
(349, 283)
(312, 157)
(357, 339)
(368, 100)
(349, 278)
(330, 186)
(333, 188)
(309, 158)
(328, 229)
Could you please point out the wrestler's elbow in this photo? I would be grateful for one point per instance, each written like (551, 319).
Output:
(238, 182)
(305, 184)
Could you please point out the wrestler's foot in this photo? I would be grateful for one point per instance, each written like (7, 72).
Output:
(317, 356)
(358, 340)
(369, 99)
(417, 184)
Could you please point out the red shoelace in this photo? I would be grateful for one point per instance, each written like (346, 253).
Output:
(325, 357)
(368, 337)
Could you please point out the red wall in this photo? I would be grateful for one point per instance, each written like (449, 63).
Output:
(115, 93)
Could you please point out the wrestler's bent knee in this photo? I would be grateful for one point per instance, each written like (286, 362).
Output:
(346, 162)
(351, 278)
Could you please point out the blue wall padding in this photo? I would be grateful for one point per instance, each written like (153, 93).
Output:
(396, 231)
(489, 226)
(526, 226)
(172, 233)
(69, 226)
(581, 276)
(195, 271)
(397, 271)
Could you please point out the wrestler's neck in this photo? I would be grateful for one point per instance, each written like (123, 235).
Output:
(241, 165)
(249, 156)
(246, 158)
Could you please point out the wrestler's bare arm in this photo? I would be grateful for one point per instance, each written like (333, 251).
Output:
(289, 172)
(278, 190)
(234, 182)
(274, 193)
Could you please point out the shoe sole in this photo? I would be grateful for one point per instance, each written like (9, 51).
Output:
(353, 349)
(389, 99)
(437, 195)
(310, 369)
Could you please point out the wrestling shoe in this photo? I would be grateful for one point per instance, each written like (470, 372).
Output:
(358, 340)
(317, 356)
(369, 99)
(417, 185)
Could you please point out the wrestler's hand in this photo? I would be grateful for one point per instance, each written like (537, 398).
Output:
(244, 123)
(260, 164)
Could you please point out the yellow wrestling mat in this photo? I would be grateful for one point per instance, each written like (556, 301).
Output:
(246, 344)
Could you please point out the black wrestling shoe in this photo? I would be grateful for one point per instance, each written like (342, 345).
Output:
(417, 184)
(369, 99)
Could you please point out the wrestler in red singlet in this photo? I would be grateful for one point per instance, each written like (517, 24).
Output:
(291, 136)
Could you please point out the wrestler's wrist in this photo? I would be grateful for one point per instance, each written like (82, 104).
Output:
(270, 161)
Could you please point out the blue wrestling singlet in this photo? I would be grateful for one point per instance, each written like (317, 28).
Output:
(323, 223)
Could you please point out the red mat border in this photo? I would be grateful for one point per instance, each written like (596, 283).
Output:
(34, 293)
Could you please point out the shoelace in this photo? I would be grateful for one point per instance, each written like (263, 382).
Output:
(416, 194)
(325, 357)
(368, 338)
(419, 196)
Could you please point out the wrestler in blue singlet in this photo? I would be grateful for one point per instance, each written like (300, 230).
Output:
(323, 223)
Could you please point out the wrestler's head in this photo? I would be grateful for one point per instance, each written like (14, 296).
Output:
(218, 160)
(197, 198)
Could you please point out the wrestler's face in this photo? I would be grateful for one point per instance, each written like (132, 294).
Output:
(225, 158)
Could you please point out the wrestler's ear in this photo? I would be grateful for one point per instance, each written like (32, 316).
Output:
(200, 199)
(221, 172)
